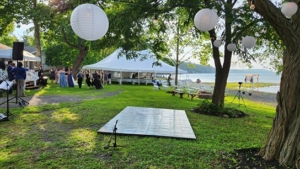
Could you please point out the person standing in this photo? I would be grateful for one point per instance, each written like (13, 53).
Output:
(105, 77)
(62, 78)
(20, 73)
(57, 75)
(80, 79)
(52, 75)
(70, 78)
(88, 79)
(40, 74)
(109, 77)
(10, 75)
(169, 80)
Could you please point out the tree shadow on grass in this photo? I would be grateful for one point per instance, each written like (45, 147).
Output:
(242, 158)
(247, 158)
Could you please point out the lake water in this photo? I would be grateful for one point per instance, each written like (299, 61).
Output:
(268, 77)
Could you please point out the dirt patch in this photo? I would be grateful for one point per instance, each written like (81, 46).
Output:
(248, 159)
(55, 99)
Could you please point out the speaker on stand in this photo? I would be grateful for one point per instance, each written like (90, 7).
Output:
(17, 54)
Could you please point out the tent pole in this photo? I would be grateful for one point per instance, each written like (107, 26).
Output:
(102, 81)
(120, 78)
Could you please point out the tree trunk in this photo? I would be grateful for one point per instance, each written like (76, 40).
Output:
(37, 39)
(220, 86)
(283, 143)
(76, 65)
(37, 36)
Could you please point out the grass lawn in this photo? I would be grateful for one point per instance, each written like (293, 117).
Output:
(65, 135)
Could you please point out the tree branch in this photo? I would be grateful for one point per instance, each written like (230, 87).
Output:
(66, 40)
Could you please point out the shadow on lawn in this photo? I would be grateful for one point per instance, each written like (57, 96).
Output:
(247, 158)
(242, 158)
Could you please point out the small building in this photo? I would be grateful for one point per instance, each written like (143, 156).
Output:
(32, 50)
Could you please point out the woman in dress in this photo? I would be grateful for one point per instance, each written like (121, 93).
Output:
(52, 75)
(57, 75)
(96, 80)
(70, 78)
(101, 78)
(62, 78)
(88, 79)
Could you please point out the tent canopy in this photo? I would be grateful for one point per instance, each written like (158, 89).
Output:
(6, 53)
(143, 63)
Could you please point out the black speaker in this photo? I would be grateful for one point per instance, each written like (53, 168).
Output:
(17, 53)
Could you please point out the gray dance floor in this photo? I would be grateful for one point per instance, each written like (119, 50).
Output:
(151, 122)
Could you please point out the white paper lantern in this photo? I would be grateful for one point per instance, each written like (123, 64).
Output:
(206, 19)
(89, 22)
(217, 43)
(231, 47)
(289, 9)
(248, 42)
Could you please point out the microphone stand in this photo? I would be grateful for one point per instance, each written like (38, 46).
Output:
(115, 143)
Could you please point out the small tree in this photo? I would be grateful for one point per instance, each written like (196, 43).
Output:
(180, 39)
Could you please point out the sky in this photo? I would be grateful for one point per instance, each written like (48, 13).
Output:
(20, 31)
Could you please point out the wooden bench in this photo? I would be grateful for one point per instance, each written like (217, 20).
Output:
(205, 96)
(192, 95)
(178, 92)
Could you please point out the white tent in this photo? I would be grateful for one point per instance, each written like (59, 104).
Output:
(7, 54)
(143, 63)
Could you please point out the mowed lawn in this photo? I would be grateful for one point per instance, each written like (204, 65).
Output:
(65, 135)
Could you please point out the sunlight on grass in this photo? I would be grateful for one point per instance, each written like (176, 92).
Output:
(31, 118)
(83, 138)
(64, 135)
(64, 116)
(42, 92)
(5, 155)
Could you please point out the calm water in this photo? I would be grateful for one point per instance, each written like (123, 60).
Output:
(269, 77)
(235, 77)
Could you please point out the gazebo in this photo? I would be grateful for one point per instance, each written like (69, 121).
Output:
(250, 78)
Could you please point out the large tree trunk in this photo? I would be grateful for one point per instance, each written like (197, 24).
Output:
(283, 142)
(76, 65)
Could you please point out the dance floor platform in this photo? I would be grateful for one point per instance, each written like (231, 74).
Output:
(151, 122)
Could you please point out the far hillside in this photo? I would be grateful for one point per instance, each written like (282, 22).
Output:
(197, 68)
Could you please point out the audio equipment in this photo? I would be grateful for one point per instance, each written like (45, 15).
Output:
(18, 48)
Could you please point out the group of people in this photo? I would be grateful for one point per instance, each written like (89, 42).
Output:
(63, 77)
(95, 79)
(17, 74)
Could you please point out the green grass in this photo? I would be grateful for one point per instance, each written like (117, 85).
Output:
(235, 85)
(65, 135)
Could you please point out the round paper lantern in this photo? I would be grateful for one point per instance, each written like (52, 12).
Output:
(248, 42)
(289, 9)
(89, 22)
(231, 47)
(205, 19)
(217, 43)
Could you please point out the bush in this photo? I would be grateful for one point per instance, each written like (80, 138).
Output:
(209, 108)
